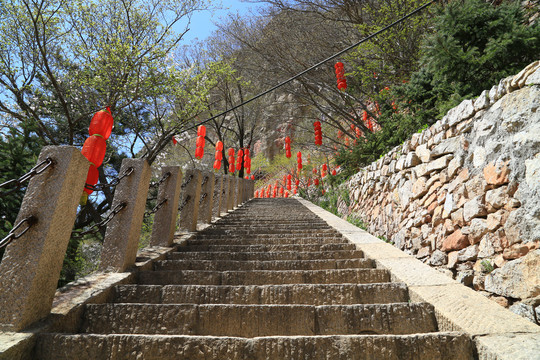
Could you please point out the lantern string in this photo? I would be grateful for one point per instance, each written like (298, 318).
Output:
(367, 38)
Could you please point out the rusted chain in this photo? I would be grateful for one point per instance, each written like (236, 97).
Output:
(205, 180)
(17, 183)
(163, 178)
(30, 221)
(100, 225)
(187, 181)
(203, 196)
(186, 200)
(113, 183)
(156, 208)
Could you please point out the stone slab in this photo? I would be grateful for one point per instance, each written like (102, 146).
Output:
(508, 347)
(460, 308)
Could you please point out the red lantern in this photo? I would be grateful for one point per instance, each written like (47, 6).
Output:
(240, 155)
(94, 149)
(252, 177)
(92, 178)
(201, 131)
(217, 164)
(297, 182)
(316, 181)
(200, 141)
(218, 155)
(101, 123)
(219, 146)
(334, 172)
(287, 194)
(231, 152)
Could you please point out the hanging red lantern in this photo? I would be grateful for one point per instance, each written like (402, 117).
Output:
(334, 172)
(201, 131)
(174, 141)
(295, 190)
(94, 149)
(318, 132)
(252, 177)
(219, 146)
(256, 193)
(218, 155)
(297, 182)
(287, 194)
(231, 152)
(316, 181)
(101, 124)
(92, 178)
(217, 164)
(200, 141)
(340, 75)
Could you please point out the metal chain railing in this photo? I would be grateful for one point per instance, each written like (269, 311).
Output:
(184, 203)
(17, 183)
(100, 225)
(155, 209)
(12, 235)
(163, 178)
(203, 196)
(113, 183)
(205, 180)
(187, 181)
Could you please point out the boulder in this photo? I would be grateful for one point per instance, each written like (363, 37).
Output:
(518, 278)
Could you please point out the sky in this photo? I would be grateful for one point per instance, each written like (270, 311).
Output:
(202, 22)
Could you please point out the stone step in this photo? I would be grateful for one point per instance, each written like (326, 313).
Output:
(266, 256)
(269, 231)
(269, 248)
(258, 320)
(225, 265)
(431, 346)
(256, 240)
(263, 277)
(312, 294)
(266, 236)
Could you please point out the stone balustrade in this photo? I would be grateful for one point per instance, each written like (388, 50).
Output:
(31, 265)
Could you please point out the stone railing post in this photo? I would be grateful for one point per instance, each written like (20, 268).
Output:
(233, 184)
(165, 218)
(207, 198)
(121, 240)
(224, 206)
(189, 202)
(239, 192)
(218, 196)
(31, 266)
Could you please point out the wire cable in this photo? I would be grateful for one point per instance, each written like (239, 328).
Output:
(369, 37)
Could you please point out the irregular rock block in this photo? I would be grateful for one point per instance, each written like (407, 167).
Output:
(456, 241)
(518, 278)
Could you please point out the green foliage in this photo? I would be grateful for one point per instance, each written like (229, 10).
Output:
(357, 222)
(487, 267)
(18, 154)
(474, 45)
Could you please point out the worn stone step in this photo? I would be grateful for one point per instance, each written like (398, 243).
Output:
(432, 346)
(313, 294)
(256, 235)
(258, 320)
(263, 241)
(266, 256)
(281, 230)
(263, 277)
(269, 247)
(224, 265)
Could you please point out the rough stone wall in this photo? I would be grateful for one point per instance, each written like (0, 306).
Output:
(464, 195)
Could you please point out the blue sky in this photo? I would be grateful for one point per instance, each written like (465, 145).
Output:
(202, 22)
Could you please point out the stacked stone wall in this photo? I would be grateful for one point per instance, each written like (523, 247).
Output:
(464, 194)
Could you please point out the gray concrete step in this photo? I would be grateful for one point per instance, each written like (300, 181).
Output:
(264, 241)
(259, 320)
(268, 248)
(266, 256)
(225, 265)
(263, 277)
(313, 294)
(431, 346)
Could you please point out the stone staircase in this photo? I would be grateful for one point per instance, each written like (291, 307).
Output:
(269, 281)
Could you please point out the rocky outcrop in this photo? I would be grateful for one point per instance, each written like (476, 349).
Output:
(464, 194)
